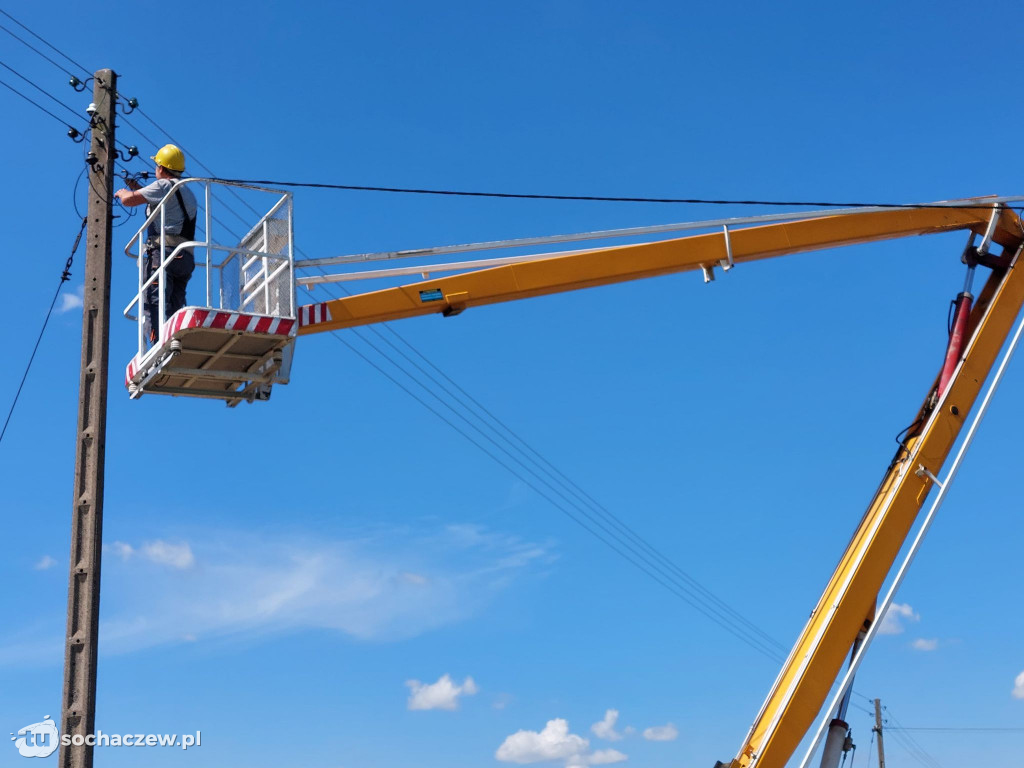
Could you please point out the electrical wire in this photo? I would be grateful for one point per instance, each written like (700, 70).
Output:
(156, 146)
(955, 729)
(591, 517)
(65, 276)
(29, 45)
(74, 191)
(201, 164)
(40, 89)
(909, 743)
(871, 743)
(611, 541)
(502, 430)
(46, 43)
(590, 198)
(36, 104)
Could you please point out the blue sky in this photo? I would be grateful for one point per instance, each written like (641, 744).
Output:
(296, 578)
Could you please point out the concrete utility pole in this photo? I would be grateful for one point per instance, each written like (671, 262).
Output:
(878, 730)
(78, 703)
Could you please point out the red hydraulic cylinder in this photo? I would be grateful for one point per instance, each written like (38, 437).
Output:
(957, 339)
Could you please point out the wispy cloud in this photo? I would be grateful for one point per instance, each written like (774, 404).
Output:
(925, 644)
(895, 617)
(70, 300)
(554, 743)
(444, 694)
(175, 554)
(667, 732)
(166, 553)
(44, 563)
(605, 728)
(1018, 687)
(229, 585)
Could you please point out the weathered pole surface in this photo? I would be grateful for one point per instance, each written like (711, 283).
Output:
(78, 703)
(878, 730)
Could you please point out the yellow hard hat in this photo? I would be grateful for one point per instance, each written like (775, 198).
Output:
(170, 157)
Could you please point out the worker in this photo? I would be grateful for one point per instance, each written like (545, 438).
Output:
(179, 227)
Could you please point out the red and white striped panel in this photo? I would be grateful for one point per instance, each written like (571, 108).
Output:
(311, 314)
(131, 370)
(228, 321)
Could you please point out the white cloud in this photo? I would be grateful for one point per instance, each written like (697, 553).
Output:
(226, 586)
(892, 622)
(44, 563)
(158, 551)
(667, 732)
(122, 550)
(554, 743)
(71, 300)
(444, 694)
(605, 729)
(925, 644)
(166, 553)
(1018, 687)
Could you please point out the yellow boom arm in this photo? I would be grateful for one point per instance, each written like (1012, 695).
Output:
(848, 602)
(586, 269)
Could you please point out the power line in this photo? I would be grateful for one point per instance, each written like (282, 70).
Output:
(908, 742)
(29, 45)
(611, 541)
(609, 530)
(45, 42)
(65, 276)
(955, 729)
(138, 131)
(556, 475)
(41, 90)
(589, 198)
(35, 103)
(202, 165)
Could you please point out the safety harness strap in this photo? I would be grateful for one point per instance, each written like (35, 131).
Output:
(188, 225)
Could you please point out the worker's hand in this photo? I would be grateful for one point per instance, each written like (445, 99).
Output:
(121, 194)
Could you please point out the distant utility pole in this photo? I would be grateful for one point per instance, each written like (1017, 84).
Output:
(878, 729)
(78, 703)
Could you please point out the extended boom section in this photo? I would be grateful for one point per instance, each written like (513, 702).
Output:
(604, 266)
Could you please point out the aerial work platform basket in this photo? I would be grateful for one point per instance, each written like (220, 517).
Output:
(237, 342)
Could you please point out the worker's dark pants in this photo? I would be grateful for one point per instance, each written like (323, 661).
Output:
(176, 277)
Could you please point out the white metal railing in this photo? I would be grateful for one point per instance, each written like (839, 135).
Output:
(253, 274)
(722, 224)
